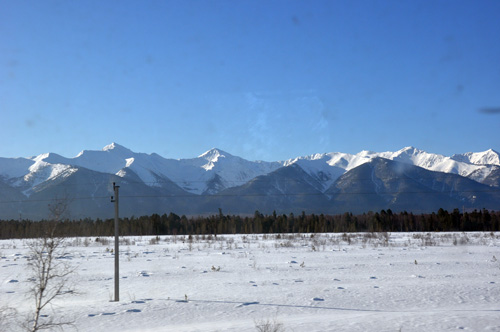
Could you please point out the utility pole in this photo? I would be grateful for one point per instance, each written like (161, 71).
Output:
(117, 238)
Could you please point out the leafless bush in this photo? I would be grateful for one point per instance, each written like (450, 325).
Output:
(384, 239)
(103, 241)
(347, 238)
(49, 273)
(269, 326)
(7, 316)
(287, 244)
(124, 241)
(426, 239)
(154, 240)
(462, 240)
(49, 280)
(370, 235)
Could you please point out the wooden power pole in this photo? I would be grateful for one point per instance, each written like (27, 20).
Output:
(117, 238)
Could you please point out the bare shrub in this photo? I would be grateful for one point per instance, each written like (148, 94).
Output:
(154, 240)
(50, 271)
(7, 315)
(463, 240)
(103, 241)
(384, 237)
(269, 326)
(48, 278)
(124, 241)
(426, 239)
(86, 242)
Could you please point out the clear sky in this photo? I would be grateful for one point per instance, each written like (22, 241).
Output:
(260, 79)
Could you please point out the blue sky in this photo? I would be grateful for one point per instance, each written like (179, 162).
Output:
(264, 80)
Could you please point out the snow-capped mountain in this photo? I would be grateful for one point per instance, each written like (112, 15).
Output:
(218, 179)
(195, 175)
(330, 166)
(488, 157)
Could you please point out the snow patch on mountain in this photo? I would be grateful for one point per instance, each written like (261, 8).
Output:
(129, 162)
(212, 157)
(482, 173)
(319, 166)
(41, 172)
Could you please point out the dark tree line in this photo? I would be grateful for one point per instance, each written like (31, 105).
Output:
(172, 224)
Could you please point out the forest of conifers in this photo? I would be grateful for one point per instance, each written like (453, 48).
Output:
(172, 224)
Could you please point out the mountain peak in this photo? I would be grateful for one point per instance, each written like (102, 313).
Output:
(115, 147)
(409, 150)
(491, 152)
(214, 154)
(489, 156)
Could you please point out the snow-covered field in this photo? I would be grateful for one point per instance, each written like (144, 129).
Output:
(324, 282)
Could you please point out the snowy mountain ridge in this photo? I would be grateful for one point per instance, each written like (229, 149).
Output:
(335, 182)
(199, 175)
(332, 165)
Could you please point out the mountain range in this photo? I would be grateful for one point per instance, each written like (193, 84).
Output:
(406, 180)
